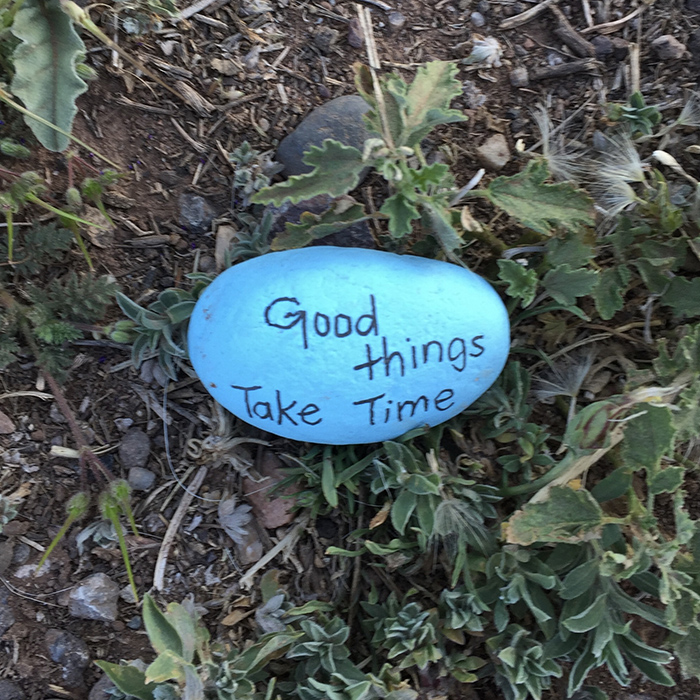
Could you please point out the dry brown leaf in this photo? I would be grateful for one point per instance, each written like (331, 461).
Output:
(381, 516)
(7, 426)
(270, 512)
(236, 616)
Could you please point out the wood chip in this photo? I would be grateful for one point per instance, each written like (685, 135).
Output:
(194, 99)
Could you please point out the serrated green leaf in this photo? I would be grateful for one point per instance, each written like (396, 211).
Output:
(401, 212)
(589, 618)
(566, 516)
(667, 480)
(441, 227)
(45, 78)
(313, 226)
(435, 174)
(522, 282)
(128, 679)
(162, 635)
(683, 296)
(570, 250)
(648, 438)
(540, 206)
(336, 171)
(402, 510)
(609, 289)
(565, 285)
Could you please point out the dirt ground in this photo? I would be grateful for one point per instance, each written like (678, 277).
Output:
(277, 66)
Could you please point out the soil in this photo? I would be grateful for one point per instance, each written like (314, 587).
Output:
(135, 122)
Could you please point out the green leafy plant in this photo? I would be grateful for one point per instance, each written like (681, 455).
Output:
(640, 117)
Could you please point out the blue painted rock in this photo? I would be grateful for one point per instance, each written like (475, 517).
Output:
(345, 345)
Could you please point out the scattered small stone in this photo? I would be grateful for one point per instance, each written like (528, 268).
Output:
(196, 214)
(7, 619)
(127, 595)
(38, 435)
(520, 50)
(10, 690)
(55, 414)
(7, 426)
(141, 479)
(494, 153)
(123, 424)
(356, 38)
(169, 178)
(95, 598)
(71, 652)
(477, 19)
(134, 449)
(668, 48)
(325, 37)
(554, 59)
(102, 689)
(21, 553)
(396, 21)
(620, 48)
(339, 119)
(603, 47)
(519, 77)
(134, 623)
(694, 45)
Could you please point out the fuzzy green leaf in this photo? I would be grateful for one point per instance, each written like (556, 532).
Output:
(610, 286)
(328, 481)
(162, 635)
(683, 296)
(522, 283)
(167, 666)
(565, 285)
(401, 511)
(590, 618)
(45, 78)
(648, 438)
(613, 485)
(314, 226)
(540, 206)
(579, 580)
(687, 650)
(566, 516)
(337, 170)
(401, 212)
(570, 250)
(667, 480)
(128, 679)
(442, 228)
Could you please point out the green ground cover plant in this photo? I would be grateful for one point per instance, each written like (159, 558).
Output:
(546, 572)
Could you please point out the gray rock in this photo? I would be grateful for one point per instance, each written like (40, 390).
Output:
(10, 690)
(603, 46)
(339, 119)
(195, 213)
(494, 153)
(668, 48)
(477, 19)
(325, 38)
(519, 77)
(7, 618)
(694, 45)
(355, 236)
(356, 38)
(141, 479)
(620, 48)
(134, 448)
(146, 371)
(95, 598)
(101, 689)
(71, 652)
(134, 623)
(693, 5)
(123, 424)
(396, 21)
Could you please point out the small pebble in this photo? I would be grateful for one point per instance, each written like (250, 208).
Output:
(325, 37)
(71, 653)
(519, 77)
(355, 36)
(141, 479)
(668, 48)
(620, 48)
(195, 213)
(123, 424)
(134, 623)
(494, 153)
(134, 449)
(554, 59)
(207, 263)
(477, 19)
(95, 598)
(603, 46)
(396, 21)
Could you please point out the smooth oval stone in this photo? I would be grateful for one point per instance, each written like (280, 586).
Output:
(345, 345)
